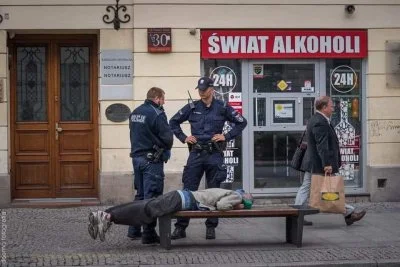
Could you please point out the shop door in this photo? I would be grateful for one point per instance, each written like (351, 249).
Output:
(53, 116)
(281, 97)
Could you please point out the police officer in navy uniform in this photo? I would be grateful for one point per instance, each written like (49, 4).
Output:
(151, 143)
(207, 118)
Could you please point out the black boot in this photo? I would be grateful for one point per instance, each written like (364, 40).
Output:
(178, 233)
(151, 238)
(210, 233)
(307, 223)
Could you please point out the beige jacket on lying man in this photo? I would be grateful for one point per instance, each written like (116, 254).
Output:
(216, 198)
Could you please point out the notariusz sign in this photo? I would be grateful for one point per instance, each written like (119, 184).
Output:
(116, 67)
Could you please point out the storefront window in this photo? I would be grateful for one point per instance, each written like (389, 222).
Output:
(343, 76)
(283, 78)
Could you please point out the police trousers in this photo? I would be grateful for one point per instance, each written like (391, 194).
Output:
(149, 183)
(198, 163)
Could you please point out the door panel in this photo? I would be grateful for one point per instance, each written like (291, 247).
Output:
(54, 129)
(31, 161)
(282, 96)
(30, 142)
(74, 127)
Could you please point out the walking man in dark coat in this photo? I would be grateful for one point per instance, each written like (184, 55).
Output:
(322, 155)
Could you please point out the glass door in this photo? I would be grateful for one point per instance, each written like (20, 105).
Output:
(281, 97)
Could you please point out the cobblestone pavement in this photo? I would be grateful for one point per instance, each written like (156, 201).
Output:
(58, 237)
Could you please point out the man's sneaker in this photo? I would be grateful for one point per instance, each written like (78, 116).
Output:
(354, 216)
(98, 220)
(93, 231)
(178, 233)
(210, 233)
(150, 239)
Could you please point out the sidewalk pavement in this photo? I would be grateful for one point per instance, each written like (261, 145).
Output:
(58, 237)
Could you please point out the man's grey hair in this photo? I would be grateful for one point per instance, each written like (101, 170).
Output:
(321, 102)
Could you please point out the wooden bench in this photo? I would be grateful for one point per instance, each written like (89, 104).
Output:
(294, 220)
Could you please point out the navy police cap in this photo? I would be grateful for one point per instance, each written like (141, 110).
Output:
(204, 83)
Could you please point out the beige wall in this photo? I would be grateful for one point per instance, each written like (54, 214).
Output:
(88, 14)
(5, 192)
(114, 137)
(383, 103)
(265, 16)
(4, 105)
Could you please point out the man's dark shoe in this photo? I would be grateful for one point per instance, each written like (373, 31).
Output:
(307, 223)
(135, 236)
(354, 216)
(150, 239)
(178, 233)
(210, 233)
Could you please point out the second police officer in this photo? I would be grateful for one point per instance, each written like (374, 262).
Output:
(207, 117)
(151, 142)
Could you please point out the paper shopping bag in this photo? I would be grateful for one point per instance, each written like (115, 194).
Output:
(327, 193)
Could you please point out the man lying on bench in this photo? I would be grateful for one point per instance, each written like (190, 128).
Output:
(145, 211)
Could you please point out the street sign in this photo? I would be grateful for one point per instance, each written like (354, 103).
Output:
(159, 40)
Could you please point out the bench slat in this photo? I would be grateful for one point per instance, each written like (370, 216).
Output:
(270, 212)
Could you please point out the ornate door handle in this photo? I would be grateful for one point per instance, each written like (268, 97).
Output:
(58, 130)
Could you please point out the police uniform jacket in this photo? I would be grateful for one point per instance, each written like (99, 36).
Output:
(205, 121)
(148, 126)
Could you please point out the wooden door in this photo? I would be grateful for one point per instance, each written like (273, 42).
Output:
(54, 133)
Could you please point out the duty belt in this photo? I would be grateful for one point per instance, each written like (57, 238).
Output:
(209, 147)
(206, 147)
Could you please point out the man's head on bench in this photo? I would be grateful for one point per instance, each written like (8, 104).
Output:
(247, 198)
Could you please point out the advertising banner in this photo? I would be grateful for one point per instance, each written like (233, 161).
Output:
(247, 44)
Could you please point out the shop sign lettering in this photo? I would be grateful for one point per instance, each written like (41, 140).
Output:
(283, 44)
(232, 155)
(350, 158)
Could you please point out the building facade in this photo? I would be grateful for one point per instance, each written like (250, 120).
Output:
(70, 74)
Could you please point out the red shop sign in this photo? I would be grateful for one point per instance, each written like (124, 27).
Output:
(283, 44)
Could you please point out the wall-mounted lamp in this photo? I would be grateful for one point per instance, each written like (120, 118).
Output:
(192, 31)
(350, 9)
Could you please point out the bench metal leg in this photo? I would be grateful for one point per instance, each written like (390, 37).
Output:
(294, 229)
(164, 223)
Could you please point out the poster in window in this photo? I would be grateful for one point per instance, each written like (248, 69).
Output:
(284, 111)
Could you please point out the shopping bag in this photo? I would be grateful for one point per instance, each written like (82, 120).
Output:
(298, 155)
(327, 193)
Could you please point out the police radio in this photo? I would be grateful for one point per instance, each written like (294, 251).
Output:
(191, 105)
(190, 101)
